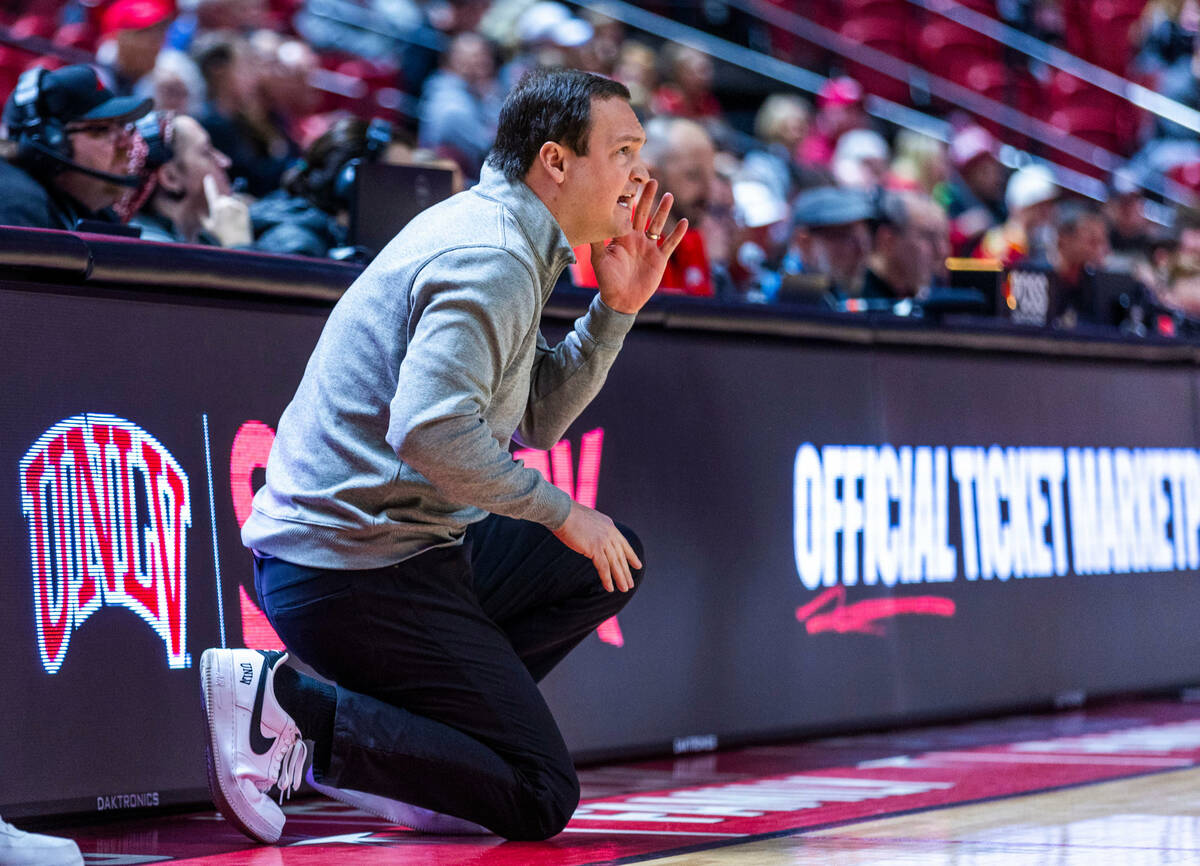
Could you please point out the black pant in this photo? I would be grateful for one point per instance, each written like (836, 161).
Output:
(436, 661)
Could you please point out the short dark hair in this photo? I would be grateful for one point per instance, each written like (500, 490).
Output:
(214, 51)
(317, 176)
(1070, 215)
(548, 105)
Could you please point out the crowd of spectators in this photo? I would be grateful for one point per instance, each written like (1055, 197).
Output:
(232, 122)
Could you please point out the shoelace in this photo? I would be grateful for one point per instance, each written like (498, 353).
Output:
(291, 770)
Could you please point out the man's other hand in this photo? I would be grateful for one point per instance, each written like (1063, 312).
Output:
(594, 535)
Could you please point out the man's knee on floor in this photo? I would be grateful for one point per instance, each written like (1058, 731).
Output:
(551, 807)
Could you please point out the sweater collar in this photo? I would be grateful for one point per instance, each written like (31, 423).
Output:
(532, 216)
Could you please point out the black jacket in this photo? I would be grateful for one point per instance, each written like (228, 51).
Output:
(287, 224)
(27, 203)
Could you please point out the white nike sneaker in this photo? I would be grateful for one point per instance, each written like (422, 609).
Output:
(253, 744)
(18, 848)
(399, 812)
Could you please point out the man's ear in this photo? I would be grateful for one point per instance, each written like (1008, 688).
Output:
(553, 157)
(171, 179)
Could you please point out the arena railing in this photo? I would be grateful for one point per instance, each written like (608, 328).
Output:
(889, 110)
(1057, 58)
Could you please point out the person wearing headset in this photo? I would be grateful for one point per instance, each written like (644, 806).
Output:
(192, 199)
(309, 216)
(74, 149)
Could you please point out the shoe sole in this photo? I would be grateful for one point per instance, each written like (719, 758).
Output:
(336, 794)
(441, 825)
(216, 786)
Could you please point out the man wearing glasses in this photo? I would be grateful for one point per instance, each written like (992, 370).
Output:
(74, 149)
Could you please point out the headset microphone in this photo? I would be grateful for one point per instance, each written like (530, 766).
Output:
(130, 180)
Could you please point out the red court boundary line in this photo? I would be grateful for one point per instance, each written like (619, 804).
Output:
(899, 813)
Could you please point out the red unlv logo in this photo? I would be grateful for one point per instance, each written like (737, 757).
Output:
(108, 508)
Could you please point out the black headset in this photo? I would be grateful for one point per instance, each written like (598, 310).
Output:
(43, 145)
(379, 136)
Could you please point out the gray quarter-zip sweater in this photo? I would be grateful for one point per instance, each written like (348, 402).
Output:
(397, 438)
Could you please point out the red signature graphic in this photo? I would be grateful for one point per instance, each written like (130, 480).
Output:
(863, 617)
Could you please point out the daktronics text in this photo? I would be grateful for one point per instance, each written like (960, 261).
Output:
(108, 509)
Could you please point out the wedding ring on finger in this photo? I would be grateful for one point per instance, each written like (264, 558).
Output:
(654, 236)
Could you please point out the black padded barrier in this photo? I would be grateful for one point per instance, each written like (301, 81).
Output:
(849, 521)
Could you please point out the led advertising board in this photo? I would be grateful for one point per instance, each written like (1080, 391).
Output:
(836, 535)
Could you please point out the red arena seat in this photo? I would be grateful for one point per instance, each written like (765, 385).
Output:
(1092, 123)
(949, 49)
(888, 36)
(1109, 32)
(33, 25)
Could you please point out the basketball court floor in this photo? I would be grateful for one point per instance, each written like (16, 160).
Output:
(1118, 784)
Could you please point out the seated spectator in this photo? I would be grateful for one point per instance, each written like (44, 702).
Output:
(781, 124)
(860, 160)
(687, 87)
(76, 149)
(460, 105)
(545, 34)
(910, 247)
(761, 218)
(920, 164)
(241, 124)
(839, 109)
(830, 241)
(719, 227)
(1182, 291)
(310, 215)
(637, 69)
(1026, 234)
(680, 155)
(974, 198)
(1129, 230)
(175, 84)
(191, 201)
(132, 32)
(285, 67)
(1078, 254)
(608, 38)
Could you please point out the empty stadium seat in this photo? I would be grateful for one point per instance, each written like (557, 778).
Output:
(1092, 123)
(1108, 29)
(949, 49)
(78, 35)
(890, 37)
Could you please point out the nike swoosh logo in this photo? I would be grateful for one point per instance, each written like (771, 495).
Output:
(259, 744)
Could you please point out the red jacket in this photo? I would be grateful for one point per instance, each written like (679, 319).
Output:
(687, 273)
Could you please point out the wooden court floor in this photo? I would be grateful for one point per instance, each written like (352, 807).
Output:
(1119, 784)
(1146, 821)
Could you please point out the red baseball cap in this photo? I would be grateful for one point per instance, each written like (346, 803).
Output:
(840, 91)
(134, 15)
(970, 143)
